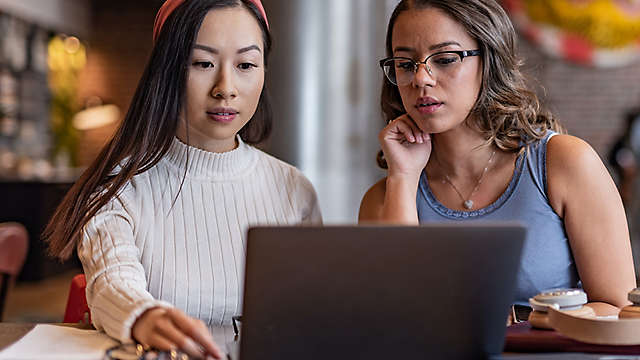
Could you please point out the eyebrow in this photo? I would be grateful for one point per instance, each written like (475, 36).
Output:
(432, 47)
(215, 51)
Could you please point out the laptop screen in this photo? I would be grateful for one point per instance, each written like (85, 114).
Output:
(379, 291)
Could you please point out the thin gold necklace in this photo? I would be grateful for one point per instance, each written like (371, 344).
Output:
(466, 202)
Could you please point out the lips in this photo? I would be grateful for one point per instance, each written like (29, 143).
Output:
(428, 105)
(223, 115)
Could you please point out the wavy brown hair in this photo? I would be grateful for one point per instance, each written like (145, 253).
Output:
(507, 112)
(150, 125)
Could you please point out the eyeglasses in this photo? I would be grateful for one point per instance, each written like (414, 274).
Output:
(400, 71)
(137, 352)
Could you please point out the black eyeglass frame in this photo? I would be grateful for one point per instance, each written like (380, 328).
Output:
(461, 53)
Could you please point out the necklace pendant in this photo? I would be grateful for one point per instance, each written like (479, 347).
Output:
(468, 204)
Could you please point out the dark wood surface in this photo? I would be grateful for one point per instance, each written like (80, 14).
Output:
(10, 333)
(523, 338)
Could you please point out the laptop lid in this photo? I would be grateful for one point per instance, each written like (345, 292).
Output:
(378, 292)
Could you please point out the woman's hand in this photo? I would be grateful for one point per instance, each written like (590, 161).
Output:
(406, 148)
(171, 329)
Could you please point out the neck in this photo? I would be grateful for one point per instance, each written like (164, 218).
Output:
(459, 153)
(206, 143)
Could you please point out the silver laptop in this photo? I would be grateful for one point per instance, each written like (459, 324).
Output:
(378, 292)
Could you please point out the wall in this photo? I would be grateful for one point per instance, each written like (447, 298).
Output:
(590, 102)
(71, 16)
(119, 45)
(325, 83)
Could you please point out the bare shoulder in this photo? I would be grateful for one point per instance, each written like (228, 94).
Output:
(372, 202)
(574, 169)
(570, 156)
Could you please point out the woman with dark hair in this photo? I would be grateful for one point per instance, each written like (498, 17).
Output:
(466, 140)
(159, 218)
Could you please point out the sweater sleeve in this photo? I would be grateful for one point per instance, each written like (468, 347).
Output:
(307, 201)
(116, 283)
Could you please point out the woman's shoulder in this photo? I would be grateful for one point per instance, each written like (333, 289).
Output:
(283, 171)
(377, 190)
(573, 170)
(297, 187)
(372, 201)
(277, 165)
(566, 152)
(569, 157)
(135, 190)
(561, 152)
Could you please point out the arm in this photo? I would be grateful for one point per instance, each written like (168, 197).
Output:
(396, 206)
(393, 199)
(116, 283)
(583, 194)
(117, 290)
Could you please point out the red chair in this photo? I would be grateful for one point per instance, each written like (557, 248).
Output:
(14, 242)
(77, 309)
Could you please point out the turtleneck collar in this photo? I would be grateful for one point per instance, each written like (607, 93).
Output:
(212, 166)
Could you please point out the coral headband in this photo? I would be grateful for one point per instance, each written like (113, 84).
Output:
(170, 5)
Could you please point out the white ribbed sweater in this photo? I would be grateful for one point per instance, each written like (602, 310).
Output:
(143, 250)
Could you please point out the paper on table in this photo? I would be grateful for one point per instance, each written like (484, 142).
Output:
(59, 342)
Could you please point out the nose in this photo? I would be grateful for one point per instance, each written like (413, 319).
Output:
(224, 87)
(423, 77)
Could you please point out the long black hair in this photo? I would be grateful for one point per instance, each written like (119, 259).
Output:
(150, 125)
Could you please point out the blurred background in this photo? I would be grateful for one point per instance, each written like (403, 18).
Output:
(68, 69)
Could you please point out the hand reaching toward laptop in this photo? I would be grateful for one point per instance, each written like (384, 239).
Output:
(171, 329)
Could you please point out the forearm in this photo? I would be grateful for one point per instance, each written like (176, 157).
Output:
(400, 200)
(116, 284)
(115, 305)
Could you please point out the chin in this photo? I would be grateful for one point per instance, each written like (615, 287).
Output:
(434, 124)
(223, 136)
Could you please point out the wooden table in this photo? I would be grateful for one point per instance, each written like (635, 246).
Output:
(10, 333)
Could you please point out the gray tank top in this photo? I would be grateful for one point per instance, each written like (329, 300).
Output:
(547, 261)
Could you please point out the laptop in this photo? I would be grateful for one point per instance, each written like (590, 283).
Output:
(378, 292)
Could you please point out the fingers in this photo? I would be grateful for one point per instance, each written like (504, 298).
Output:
(404, 129)
(166, 329)
(159, 342)
(196, 330)
(417, 133)
(170, 329)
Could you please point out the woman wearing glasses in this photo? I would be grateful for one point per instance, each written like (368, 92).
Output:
(159, 219)
(467, 141)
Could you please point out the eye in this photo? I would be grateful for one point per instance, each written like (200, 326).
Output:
(445, 60)
(203, 64)
(405, 65)
(247, 66)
